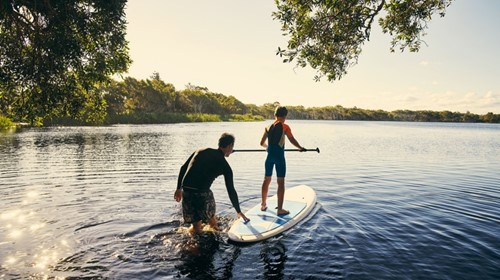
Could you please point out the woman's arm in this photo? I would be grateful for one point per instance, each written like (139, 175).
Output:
(263, 139)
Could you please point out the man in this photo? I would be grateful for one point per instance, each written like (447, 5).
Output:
(275, 137)
(195, 179)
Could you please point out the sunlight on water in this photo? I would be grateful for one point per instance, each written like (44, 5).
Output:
(24, 229)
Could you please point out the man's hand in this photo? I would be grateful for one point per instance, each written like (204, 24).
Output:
(245, 219)
(302, 149)
(178, 195)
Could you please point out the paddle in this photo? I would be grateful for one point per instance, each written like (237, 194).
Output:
(286, 150)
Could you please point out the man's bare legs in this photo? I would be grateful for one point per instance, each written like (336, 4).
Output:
(196, 228)
(213, 223)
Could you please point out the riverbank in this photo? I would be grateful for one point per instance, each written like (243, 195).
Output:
(326, 113)
(145, 118)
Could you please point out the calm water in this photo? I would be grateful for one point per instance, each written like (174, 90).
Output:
(395, 201)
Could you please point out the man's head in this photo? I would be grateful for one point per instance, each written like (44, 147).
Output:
(280, 112)
(226, 143)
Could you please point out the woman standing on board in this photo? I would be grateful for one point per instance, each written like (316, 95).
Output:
(275, 136)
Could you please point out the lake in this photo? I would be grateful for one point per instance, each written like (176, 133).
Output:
(395, 201)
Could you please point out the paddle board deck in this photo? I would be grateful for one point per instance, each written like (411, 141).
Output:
(299, 200)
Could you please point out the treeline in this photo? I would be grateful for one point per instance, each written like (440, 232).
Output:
(340, 113)
(133, 101)
(154, 101)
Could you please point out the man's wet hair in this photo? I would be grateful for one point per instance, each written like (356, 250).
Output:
(281, 111)
(225, 140)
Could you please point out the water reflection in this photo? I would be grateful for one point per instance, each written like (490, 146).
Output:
(205, 256)
(210, 257)
(273, 255)
(198, 258)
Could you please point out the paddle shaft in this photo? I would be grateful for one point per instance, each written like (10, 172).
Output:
(286, 150)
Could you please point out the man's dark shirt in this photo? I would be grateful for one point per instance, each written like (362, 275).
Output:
(200, 170)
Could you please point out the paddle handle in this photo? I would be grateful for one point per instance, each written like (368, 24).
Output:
(287, 150)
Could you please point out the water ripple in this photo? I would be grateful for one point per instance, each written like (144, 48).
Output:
(395, 201)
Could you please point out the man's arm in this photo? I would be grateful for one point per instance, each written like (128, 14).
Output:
(182, 173)
(233, 195)
(231, 191)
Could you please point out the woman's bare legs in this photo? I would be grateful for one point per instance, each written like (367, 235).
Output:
(265, 190)
(281, 196)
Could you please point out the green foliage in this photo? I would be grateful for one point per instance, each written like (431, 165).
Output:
(197, 117)
(133, 101)
(328, 35)
(166, 117)
(340, 113)
(406, 21)
(244, 118)
(6, 123)
(490, 118)
(154, 101)
(54, 54)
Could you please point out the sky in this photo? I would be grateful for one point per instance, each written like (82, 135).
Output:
(229, 46)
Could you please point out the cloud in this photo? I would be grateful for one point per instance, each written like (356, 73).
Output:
(410, 99)
(478, 103)
(424, 63)
(490, 100)
(470, 101)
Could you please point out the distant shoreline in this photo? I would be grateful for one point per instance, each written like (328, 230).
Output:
(336, 113)
(27, 125)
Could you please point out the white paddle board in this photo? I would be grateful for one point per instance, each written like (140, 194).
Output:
(299, 200)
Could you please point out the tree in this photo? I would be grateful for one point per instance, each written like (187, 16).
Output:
(328, 34)
(55, 53)
(229, 105)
